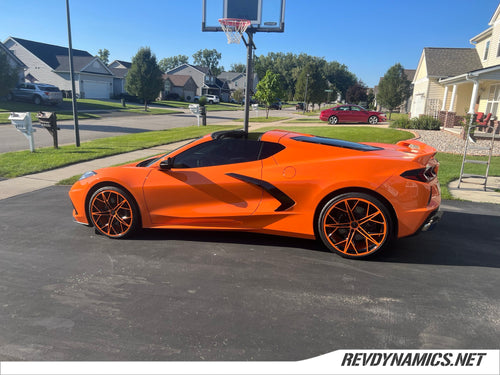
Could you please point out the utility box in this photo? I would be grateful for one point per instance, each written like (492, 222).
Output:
(49, 121)
(22, 122)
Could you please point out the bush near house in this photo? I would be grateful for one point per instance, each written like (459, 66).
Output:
(422, 122)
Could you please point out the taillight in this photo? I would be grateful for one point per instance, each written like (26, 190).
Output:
(426, 174)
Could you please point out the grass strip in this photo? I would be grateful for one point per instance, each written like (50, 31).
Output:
(20, 163)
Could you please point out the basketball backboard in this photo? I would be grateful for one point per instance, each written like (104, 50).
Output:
(264, 15)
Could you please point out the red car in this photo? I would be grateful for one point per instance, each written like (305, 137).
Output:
(351, 113)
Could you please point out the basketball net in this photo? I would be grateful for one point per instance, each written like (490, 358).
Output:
(234, 28)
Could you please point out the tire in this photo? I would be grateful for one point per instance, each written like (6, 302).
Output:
(333, 120)
(37, 100)
(373, 120)
(355, 225)
(10, 97)
(113, 212)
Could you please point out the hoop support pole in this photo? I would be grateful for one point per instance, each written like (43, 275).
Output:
(250, 46)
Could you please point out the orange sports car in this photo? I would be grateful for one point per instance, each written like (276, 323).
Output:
(355, 197)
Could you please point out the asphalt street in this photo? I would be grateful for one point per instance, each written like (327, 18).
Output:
(68, 294)
(107, 126)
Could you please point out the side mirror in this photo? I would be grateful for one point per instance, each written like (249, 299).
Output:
(167, 165)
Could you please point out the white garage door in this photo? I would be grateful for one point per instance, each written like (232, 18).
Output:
(96, 90)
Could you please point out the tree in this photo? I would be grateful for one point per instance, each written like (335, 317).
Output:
(238, 95)
(340, 77)
(8, 75)
(170, 63)
(238, 68)
(269, 89)
(312, 76)
(208, 58)
(103, 54)
(357, 93)
(144, 79)
(394, 88)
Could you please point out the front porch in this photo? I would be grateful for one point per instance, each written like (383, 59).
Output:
(470, 94)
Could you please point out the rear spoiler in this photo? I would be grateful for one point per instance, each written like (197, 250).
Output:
(423, 152)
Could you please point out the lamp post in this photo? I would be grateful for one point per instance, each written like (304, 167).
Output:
(305, 94)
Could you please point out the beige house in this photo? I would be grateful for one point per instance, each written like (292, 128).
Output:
(451, 82)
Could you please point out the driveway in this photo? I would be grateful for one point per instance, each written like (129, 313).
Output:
(68, 294)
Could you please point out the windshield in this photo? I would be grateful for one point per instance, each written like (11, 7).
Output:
(149, 162)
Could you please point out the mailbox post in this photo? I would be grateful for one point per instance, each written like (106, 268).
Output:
(22, 122)
(49, 121)
(255, 107)
(195, 110)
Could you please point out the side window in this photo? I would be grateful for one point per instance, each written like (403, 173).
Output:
(30, 87)
(219, 152)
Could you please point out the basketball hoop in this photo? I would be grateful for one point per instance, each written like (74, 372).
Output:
(234, 28)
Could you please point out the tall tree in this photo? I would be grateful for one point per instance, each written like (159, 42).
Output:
(269, 89)
(103, 54)
(313, 78)
(169, 63)
(340, 77)
(394, 88)
(8, 75)
(357, 93)
(209, 58)
(144, 79)
(238, 68)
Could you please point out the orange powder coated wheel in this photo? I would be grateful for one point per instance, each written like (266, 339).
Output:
(355, 225)
(113, 212)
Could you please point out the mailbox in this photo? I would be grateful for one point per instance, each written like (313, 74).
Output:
(195, 110)
(22, 122)
(49, 121)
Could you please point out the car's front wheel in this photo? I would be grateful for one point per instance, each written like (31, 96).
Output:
(113, 212)
(373, 120)
(10, 96)
(354, 225)
(332, 120)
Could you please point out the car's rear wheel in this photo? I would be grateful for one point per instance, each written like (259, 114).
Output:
(113, 212)
(332, 120)
(37, 100)
(10, 96)
(373, 120)
(354, 225)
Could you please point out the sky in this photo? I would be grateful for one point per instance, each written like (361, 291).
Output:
(368, 36)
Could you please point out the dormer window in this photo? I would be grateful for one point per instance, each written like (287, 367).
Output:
(486, 50)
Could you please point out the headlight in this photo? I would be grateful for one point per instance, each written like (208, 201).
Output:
(87, 175)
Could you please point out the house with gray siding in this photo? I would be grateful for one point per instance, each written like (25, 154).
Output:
(14, 62)
(120, 70)
(47, 63)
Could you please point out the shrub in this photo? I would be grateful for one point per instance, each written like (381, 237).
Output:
(423, 123)
(203, 100)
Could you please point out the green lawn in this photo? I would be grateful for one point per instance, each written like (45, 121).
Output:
(263, 119)
(19, 163)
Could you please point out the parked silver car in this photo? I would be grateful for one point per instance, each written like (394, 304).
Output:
(37, 93)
